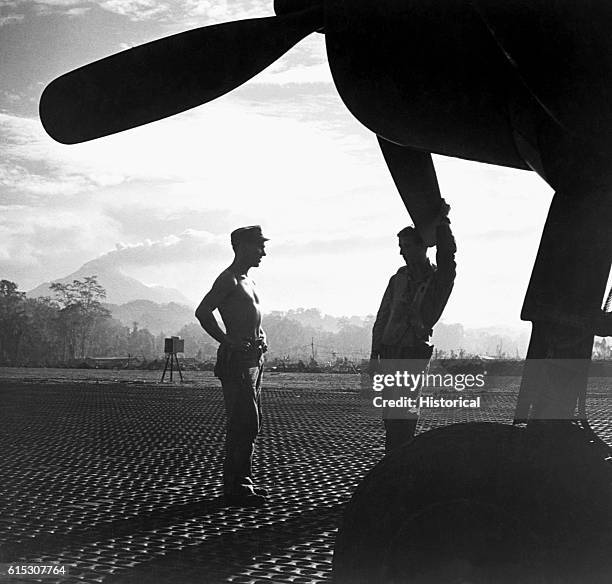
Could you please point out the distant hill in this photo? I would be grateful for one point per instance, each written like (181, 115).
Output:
(167, 318)
(119, 287)
(166, 310)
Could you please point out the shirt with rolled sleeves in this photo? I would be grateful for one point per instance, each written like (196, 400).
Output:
(414, 302)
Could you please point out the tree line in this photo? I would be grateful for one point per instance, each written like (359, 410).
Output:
(66, 328)
(73, 325)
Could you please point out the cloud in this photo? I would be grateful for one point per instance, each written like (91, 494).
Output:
(296, 271)
(18, 178)
(137, 9)
(305, 64)
(59, 3)
(175, 11)
(222, 152)
(201, 11)
(9, 96)
(194, 245)
(211, 169)
(188, 246)
(33, 164)
(297, 75)
(140, 221)
(41, 243)
(78, 11)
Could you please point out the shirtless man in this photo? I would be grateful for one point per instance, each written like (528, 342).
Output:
(239, 361)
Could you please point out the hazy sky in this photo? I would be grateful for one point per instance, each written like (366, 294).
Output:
(159, 201)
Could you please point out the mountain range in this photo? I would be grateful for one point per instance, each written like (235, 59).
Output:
(160, 309)
(166, 318)
(119, 287)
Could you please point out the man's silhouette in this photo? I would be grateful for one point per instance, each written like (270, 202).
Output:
(239, 361)
(412, 304)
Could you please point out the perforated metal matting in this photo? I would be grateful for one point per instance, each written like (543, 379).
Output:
(120, 478)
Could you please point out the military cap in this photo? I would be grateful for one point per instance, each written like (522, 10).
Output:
(251, 234)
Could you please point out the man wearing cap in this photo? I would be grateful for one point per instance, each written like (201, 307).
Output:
(239, 361)
(412, 304)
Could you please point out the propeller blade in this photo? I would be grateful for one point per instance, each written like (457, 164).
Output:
(167, 76)
(415, 178)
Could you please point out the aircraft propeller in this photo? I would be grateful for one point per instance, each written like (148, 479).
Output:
(167, 76)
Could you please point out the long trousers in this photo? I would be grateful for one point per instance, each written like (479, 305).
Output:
(400, 425)
(241, 380)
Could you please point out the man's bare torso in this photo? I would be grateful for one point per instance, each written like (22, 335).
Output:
(240, 309)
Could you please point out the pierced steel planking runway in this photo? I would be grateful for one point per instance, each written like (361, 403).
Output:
(119, 476)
